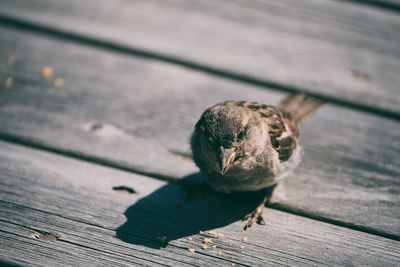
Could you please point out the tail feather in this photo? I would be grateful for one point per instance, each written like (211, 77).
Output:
(299, 105)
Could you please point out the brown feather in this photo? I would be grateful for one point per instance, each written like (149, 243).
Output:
(280, 124)
(299, 106)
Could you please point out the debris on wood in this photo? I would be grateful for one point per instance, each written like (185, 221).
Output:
(358, 75)
(9, 81)
(47, 72)
(161, 239)
(207, 240)
(59, 82)
(45, 236)
(11, 61)
(191, 250)
(212, 233)
(124, 189)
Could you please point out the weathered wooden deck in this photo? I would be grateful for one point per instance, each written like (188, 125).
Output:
(136, 76)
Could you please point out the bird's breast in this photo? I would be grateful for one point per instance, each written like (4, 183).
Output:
(248, 174)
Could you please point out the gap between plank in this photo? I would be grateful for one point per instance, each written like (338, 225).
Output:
(132, 169)
(378, 4)
(349, 225)
(99, 226)
(152, 55)
(72, 243)
(28, 142)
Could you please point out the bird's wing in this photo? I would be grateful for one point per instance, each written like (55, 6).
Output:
(283, 130)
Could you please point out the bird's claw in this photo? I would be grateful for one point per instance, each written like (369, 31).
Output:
(254, 217)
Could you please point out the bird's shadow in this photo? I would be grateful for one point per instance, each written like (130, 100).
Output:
(180, 210)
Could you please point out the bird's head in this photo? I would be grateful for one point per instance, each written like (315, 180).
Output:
(229, 135)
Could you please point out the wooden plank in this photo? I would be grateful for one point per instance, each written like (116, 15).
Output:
(341, 50)
(95, 225)
(133, 114)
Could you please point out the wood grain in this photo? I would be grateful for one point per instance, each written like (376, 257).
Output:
(133, 114)
(338, 49)
(74, 200)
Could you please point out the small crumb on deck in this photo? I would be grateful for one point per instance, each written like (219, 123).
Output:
(59, 82)
(191, 250)
(47, 72)
(161, 239)
(9, 81)
(11, 61)
(244, 238)
(358, 75)
(212, 233)
(207, 240)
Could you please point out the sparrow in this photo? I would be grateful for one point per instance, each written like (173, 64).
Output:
(250, 146)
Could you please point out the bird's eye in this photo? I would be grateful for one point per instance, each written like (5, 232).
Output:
(242, 133)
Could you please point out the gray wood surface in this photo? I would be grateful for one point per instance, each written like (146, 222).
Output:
(339, 49)
(135, 114)
(42, 193)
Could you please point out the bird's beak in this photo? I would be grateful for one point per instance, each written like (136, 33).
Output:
(227, 157)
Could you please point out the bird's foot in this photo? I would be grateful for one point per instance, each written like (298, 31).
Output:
(254, 217)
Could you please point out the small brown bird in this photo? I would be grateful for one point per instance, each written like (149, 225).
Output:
(249, 146)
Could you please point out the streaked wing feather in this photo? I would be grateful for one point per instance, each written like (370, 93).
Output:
(283, 129)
